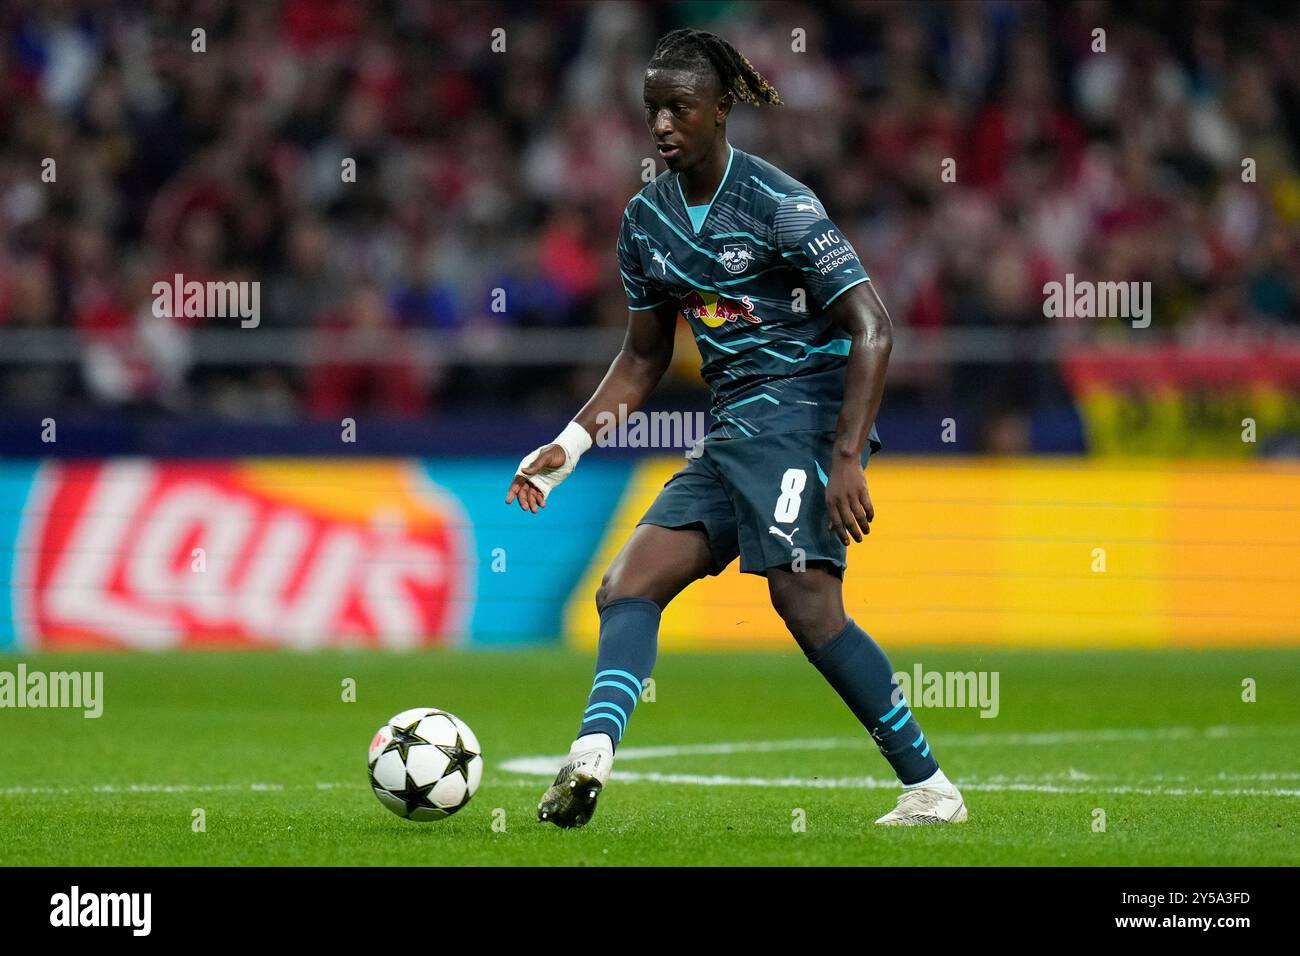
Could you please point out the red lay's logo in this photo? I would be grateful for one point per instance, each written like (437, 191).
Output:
(305, 554)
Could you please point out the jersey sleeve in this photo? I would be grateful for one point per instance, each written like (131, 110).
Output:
(642, 293)
(811, 243)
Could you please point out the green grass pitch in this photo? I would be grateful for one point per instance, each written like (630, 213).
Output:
(735, 751)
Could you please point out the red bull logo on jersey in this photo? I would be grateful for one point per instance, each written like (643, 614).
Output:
(716, 310)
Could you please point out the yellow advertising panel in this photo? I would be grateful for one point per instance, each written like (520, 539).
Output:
(1042, 552)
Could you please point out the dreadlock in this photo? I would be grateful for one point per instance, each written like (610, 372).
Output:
(698, 51)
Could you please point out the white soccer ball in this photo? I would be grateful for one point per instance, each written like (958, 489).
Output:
(425, 764)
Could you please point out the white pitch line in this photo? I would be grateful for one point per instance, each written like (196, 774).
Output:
(1047, 738)
(996, 785)
(546, 766)
(542, 766)
(130, 788)
(875, 783)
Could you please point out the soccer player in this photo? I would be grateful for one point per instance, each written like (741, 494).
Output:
(794, 342)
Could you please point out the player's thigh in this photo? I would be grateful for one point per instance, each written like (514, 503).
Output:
(656, 563)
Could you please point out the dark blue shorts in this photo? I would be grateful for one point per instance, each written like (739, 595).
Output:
(761, 498)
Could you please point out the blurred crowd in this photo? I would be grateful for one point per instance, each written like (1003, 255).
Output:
(1162, 149)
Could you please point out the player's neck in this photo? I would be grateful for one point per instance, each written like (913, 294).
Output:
(701, 181)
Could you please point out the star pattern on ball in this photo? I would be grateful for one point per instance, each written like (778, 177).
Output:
(404, 738)
(459, 758)
(414, 797)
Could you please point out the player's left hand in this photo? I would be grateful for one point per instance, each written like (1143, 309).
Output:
(547, 459)
(848, 503)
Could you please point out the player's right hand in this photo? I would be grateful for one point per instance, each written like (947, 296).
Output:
(538, 473)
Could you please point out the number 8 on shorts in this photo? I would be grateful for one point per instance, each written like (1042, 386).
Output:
(787, 506)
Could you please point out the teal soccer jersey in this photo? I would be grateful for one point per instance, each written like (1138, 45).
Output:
(754, 282)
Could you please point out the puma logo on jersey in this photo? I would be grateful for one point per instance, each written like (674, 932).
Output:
(789, 538)
(661, 261)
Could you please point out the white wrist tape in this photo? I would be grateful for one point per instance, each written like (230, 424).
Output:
(575, 441)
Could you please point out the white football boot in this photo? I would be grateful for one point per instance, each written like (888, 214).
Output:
(940, 803)
(571, 800)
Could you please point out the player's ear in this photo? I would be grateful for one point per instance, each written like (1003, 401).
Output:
(724, 107)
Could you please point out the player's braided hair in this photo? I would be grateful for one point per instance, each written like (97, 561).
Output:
(697, 51)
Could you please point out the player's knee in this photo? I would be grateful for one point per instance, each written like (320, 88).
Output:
(807, 625)
(792, 610)
(816, 633)
(614, 585)
(810, 617)
(603, 592)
